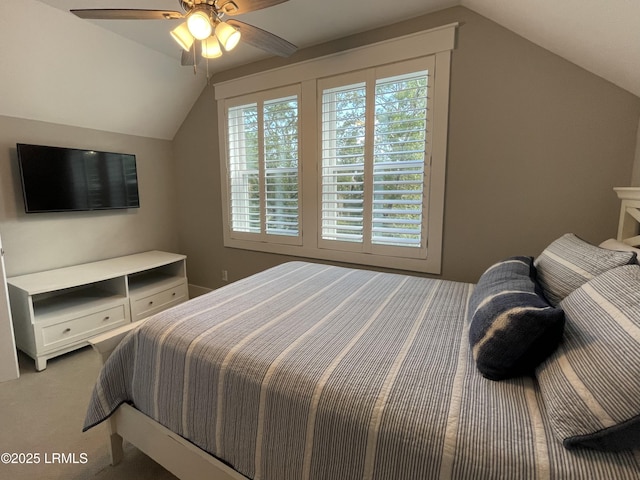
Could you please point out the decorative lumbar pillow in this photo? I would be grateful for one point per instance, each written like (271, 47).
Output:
(513, 328)
(570, 262)
(591, 384)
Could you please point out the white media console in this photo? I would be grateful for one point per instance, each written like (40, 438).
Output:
(57, 311)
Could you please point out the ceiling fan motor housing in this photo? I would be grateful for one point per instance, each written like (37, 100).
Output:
(189, 4)
(224, 6)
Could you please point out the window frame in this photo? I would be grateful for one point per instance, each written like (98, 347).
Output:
(438, 43)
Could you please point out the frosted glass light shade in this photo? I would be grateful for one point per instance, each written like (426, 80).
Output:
(199, 24)
(182, 36)
(228, 36)
(211, 48)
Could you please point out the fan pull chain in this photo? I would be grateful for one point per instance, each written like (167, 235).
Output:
(195, 60)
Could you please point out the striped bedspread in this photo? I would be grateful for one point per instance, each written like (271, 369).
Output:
(309, 371)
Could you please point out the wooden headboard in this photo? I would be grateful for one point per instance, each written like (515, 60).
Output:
(628, 226)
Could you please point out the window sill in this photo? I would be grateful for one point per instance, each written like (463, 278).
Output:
(431, 264)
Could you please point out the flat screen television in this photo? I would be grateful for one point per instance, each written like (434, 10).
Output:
(58, 179)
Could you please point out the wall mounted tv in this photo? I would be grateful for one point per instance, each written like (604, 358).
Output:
(58, 179)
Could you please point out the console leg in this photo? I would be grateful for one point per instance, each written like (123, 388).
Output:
(41, 363)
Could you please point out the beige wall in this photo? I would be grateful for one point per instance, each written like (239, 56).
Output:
(42, 241)
(536, 145)
(635, 176)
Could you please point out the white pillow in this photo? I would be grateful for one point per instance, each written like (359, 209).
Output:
(613, 244)
(569, 262)
(590, 383)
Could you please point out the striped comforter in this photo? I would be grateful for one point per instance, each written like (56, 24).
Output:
(309, 371)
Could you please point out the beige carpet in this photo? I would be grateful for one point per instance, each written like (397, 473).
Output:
(42, 413)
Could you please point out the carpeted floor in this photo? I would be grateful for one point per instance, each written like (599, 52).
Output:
(41, 417)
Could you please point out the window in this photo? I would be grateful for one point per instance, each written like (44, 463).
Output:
(342, 157)
(264, 169)
(375, 163)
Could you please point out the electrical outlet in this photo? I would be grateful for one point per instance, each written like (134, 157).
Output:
(225, 276)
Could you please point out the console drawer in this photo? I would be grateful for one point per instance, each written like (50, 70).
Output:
(145, 306)
(79, 328)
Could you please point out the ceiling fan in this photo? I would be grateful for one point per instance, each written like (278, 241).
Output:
(205, 34)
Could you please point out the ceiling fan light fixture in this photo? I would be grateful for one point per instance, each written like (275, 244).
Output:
(228, 36)
(199, 23)
(211, 47)
(182, 36)
(200, 19)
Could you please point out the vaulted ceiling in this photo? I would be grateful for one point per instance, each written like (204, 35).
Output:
(125, 76)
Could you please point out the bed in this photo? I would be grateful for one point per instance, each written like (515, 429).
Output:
(309, 371)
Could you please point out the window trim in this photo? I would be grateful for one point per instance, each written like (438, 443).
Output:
(438, 42)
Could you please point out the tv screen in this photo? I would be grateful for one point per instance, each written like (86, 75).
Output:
(58, 179)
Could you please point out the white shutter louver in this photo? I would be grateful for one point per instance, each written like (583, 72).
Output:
(376, 172)
(343, 149)
(281, 166)
(399, 160)
(244, 186)
(263, 168)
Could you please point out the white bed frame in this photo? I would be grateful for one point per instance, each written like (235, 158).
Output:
(180, 457)
(188, 462)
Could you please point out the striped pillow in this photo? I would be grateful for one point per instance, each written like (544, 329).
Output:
(570, 262)
(513, 328)
(591, 384)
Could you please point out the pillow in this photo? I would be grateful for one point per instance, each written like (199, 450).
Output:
(591, 384)
(513, 328)
(570, 262)
(613, 244)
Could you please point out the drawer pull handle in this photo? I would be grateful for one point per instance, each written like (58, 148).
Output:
(151, 303)
(66, 330)
(173, 294)
(106, 318)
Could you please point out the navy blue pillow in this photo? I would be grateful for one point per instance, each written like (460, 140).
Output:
(513, 327)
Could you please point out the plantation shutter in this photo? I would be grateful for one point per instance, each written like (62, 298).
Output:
(343, 157)
(281, 165)
(243, 168)
(399, 160)
(375, 164)
(263, 169)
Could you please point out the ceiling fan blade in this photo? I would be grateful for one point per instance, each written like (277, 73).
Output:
(238, 7)
(187, 57)
(262, 39)
(126, 14)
